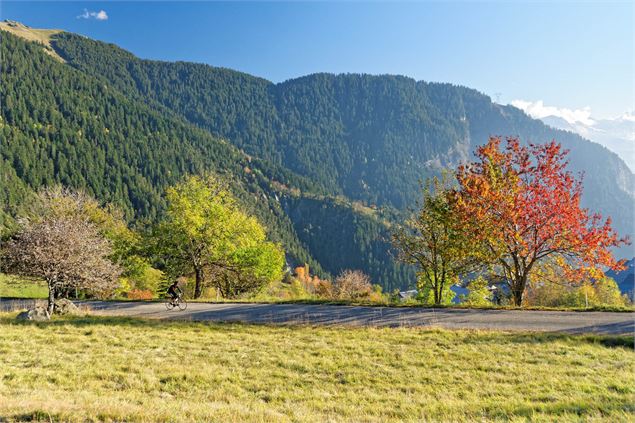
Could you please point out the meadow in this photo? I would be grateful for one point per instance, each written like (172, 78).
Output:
(16, 287)
(121, 369)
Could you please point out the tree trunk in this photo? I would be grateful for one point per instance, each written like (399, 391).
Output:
(518, 290)
(51, 300)
(198, 289)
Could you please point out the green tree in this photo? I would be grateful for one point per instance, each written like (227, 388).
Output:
(430, 240)
(205, 233)
(478, 294)
(430, 295)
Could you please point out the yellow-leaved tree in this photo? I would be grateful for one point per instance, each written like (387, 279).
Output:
(205, 233)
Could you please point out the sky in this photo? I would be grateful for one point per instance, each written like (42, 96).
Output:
(575, 57)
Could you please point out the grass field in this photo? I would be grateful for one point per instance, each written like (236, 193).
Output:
(13, 287)
(118, 369)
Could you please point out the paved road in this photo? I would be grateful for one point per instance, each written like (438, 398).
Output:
(506, 320)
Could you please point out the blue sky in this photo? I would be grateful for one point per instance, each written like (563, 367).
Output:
(568, 55)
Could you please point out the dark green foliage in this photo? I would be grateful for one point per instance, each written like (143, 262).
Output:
(342, 238)
(61, 126)
(124, 128)
(371, 138)
(368, 137)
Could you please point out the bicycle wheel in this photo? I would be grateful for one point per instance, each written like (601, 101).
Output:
(169, 305)
(182, 304)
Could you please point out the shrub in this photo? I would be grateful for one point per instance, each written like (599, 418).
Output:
(149, 279)
(296, 291)
(378, 296)
(324, 289)
(478, 294)
(602, 292)
(140, 294)
(352, 285)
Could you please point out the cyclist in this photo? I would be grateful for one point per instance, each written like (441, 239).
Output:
(174, 292)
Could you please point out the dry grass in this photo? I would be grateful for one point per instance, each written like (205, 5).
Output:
(118, 369)
(41, 36)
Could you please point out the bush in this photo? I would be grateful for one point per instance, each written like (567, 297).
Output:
(378, 296)
(324, 289)
(140, 294)
(352, 285)
(125, 285)
(296, 291)
(602, 292)
(149, 279)
(478, 294)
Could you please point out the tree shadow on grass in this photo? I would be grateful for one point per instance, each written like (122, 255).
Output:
(610, 341)
(564, 408)
(84, 321)
(609, 328)
(34, 416)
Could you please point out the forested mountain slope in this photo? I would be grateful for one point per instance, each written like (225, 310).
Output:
(371, 138)
(59, 125)
(63, 125)
(125, 128)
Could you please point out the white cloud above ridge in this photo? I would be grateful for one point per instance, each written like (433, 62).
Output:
(100, 16)
(617, 133)
(538, 110)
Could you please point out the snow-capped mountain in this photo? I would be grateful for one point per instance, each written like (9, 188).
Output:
(616, 134)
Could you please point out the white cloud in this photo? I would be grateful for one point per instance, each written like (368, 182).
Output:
(617, 134)
(538, 110)
(100, 16)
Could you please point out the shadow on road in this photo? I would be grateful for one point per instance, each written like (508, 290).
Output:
(619, 328)
(473, 337)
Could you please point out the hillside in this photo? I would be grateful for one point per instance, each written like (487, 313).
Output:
(40, 36)
(61, 125)
(371, 138)
(125, 128)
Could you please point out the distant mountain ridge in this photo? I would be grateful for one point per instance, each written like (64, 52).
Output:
(306, 154)
(616, 134)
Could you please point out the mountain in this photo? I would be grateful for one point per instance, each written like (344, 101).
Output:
(328, 161)
(618, 134)
(370, 138)
(58, 125)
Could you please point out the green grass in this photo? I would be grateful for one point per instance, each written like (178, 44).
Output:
(14, 287)
(119, 369)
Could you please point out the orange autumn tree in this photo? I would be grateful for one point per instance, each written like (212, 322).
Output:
(522, 205)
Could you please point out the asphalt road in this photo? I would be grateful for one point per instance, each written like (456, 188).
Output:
(505, 320)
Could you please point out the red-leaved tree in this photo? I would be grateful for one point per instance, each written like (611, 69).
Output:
(523, 206)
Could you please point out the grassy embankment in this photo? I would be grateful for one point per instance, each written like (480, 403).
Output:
(87, 368)
(13, 287)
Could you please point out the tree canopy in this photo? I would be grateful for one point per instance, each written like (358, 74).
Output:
(62, 246)
(433, 240)
(522, 205)
(205, 233)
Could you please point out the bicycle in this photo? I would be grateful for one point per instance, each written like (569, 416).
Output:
(177, 302)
